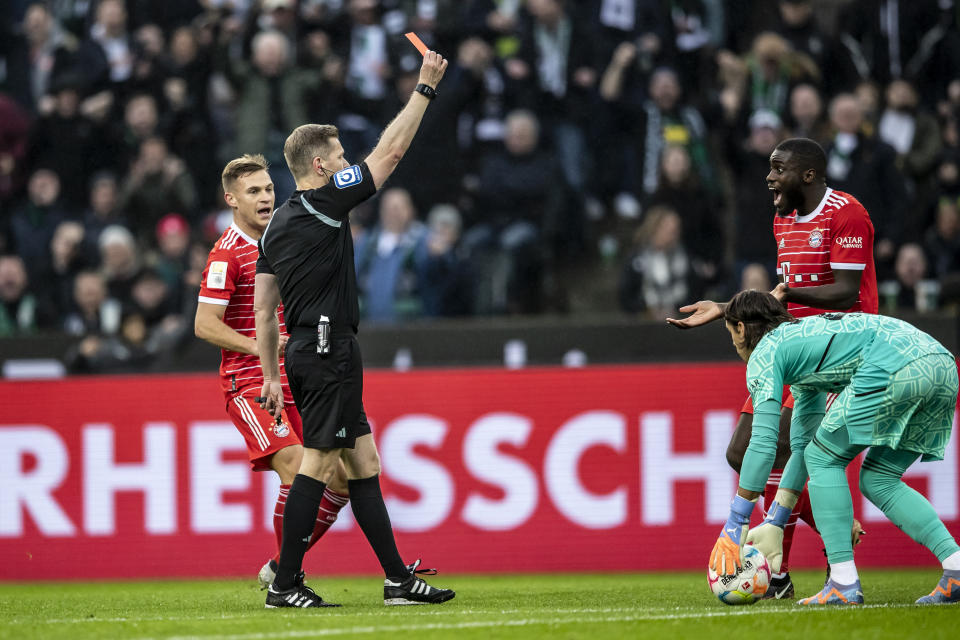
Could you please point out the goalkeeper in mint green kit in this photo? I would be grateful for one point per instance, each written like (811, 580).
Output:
(897, 391)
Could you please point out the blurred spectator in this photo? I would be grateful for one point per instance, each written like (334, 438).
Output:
(473, 87)
(942, 240)
(915, 135)
(763, 78)
(911, 289)
(755, 276)
(520, 200)
(33, 222)
(656, 277)
(119, 261)
(364, 43)
(697, 26)
(150, 67)
(942, 245)
(44, 51)
(680, 190)
(155, 303)
(753, 204)
(173, 240)
(866, 168)
(620, 132)
(156, 184)
(806, 114)
(109, 32)
(385, 261)
(497, 21)
(103, 209)
(62, 135)
(67, 259)
(799, 26)
(125, 352)
(272, 99)
(93, 311)
(670, 121)
(556, 60)
(443, 272)
(20, 310)
(141, 120)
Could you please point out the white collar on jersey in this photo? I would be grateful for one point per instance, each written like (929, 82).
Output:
(813, 214)
(233, 225)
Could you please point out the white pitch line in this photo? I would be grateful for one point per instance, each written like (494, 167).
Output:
(648, 613)
(391, 611)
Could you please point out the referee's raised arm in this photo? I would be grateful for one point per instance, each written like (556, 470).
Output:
(396, 138)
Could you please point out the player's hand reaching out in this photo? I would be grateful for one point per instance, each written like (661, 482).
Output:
(432, 70)
(271, 398)
(703, 312)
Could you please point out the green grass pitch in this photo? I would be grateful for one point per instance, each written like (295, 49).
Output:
(648, 605)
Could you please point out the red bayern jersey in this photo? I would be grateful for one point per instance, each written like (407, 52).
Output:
(228, 280)
(837, 235)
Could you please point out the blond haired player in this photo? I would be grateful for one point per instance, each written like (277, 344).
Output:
(225, 318)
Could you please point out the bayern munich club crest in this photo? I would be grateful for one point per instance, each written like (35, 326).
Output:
(815, 239)
(281, 430)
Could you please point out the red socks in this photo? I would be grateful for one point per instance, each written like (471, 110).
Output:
(330, 506)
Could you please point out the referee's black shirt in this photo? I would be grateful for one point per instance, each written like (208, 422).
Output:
(308, 246)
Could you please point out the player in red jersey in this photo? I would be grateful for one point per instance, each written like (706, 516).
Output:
(825, 262)
(225, 318)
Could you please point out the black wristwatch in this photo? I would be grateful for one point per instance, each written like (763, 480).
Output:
(426, 91)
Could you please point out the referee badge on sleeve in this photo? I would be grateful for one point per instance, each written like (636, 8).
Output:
(348, 177)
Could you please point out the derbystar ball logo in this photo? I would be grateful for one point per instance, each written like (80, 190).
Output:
(850, 242)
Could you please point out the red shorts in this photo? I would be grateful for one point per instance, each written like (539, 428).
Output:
(786, 403)
(264, 435)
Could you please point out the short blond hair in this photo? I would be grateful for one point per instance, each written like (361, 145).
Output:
(242, 166)
(305, 143)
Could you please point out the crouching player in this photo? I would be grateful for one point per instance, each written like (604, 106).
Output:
(225, 318)
(897, 391)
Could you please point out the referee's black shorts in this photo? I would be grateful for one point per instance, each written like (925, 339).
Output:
(328, 390)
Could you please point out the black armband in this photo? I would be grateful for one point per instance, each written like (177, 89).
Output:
(426, 91)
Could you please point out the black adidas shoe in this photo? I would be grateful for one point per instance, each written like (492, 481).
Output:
(780, 588)
(299, 596)
(414, 590)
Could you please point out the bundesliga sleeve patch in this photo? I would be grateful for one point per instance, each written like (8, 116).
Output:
(217, 276)
(349, 177)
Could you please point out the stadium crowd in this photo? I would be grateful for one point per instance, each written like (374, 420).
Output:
(582, 156)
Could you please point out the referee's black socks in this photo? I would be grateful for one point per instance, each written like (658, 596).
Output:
(299, 517)
(371, 514)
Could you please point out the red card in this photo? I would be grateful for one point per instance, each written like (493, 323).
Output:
(417, 42)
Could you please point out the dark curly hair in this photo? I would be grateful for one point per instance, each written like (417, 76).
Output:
(759, 312)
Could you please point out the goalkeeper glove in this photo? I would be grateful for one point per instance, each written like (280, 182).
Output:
(727, 554)
(767, 537)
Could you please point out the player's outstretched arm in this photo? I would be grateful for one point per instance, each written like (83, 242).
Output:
(396, 138)
(208, 325)
(701, 313)
(266, 299)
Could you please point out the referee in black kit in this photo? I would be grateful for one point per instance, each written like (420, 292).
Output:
(306, 260)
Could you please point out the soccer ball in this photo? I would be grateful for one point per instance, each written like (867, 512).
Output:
(747, 585)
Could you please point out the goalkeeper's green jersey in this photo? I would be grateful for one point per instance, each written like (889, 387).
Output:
(815, 355)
